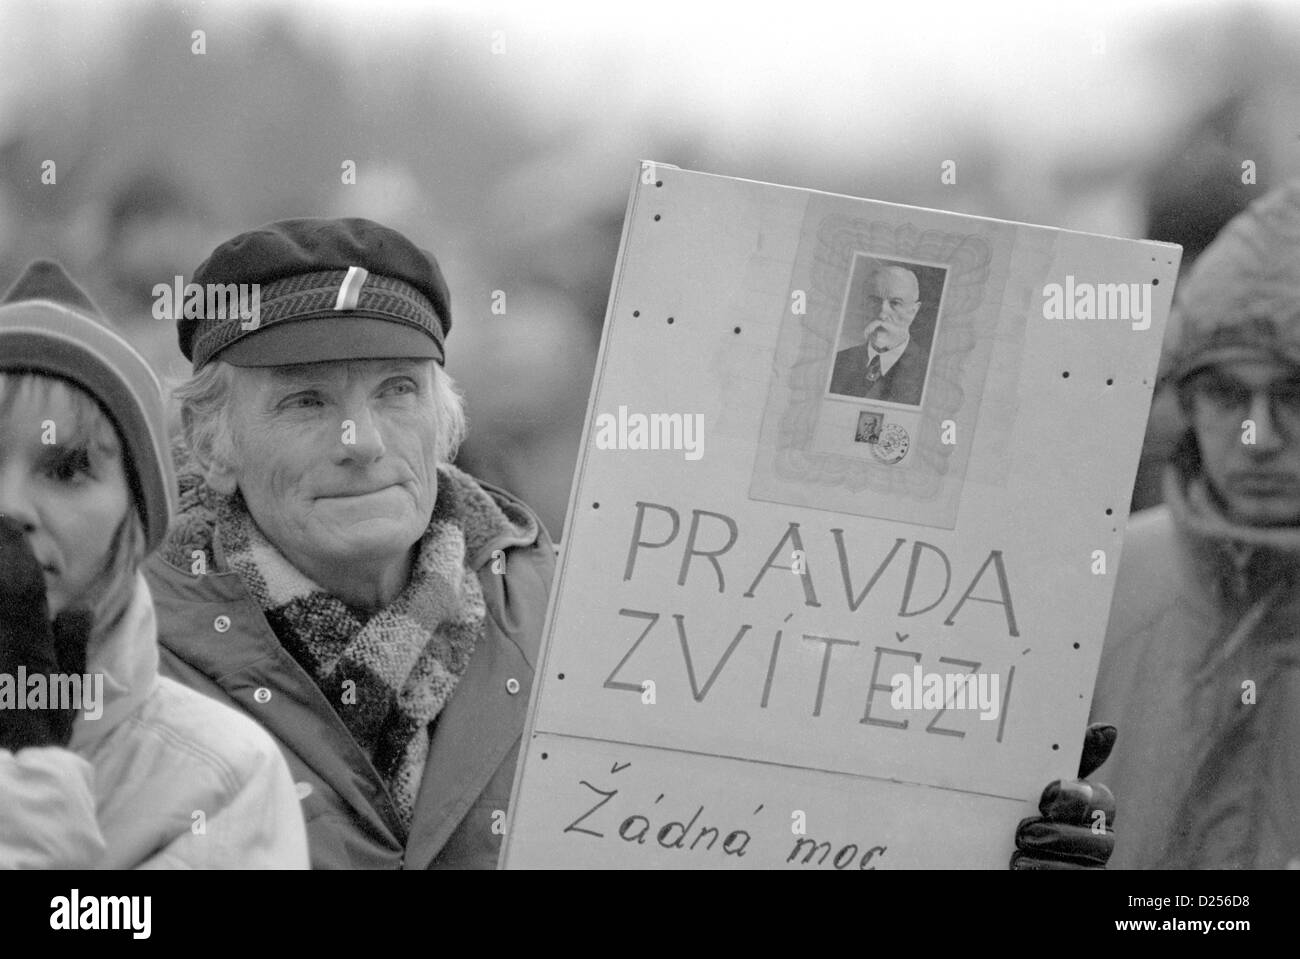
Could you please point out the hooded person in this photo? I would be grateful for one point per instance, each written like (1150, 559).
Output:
(103, 763)
(374, 607)
(1200, 671)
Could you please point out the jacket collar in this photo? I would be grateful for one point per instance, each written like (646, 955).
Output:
(127, 658)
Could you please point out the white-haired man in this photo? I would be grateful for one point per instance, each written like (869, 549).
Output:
(888, 366)
(332, 574)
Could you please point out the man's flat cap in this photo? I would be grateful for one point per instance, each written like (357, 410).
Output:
(314, 290)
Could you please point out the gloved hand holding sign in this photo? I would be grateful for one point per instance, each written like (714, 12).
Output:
(1075, 828)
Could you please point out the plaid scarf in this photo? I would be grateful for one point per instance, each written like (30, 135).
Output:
(388, 675)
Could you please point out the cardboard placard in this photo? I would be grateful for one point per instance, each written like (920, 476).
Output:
(780, 562)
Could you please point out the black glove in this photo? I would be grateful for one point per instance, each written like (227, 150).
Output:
(27, 638)
(1069, 834)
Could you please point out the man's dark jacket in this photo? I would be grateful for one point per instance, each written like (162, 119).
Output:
(213, 637)
(902, 384)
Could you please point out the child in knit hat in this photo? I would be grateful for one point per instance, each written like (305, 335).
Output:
(103, 763)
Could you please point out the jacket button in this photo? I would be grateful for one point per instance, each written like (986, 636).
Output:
(512, 686)
(304, 789)
(221, 624)
(262, 694)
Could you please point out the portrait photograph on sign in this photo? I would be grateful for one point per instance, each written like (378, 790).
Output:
(902, 320)
(887, 328)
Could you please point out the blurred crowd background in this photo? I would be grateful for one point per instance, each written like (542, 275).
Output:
(505, 139)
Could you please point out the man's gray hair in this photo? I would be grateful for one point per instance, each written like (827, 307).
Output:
(204, 401)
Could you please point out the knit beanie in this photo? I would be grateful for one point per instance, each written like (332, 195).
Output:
(1241, 299)
(48, 325)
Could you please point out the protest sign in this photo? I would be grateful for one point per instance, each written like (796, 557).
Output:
(841, 544)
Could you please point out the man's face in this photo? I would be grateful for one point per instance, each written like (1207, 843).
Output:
(63, 481)
(891, 307)
(337, 461)
(1258, 482)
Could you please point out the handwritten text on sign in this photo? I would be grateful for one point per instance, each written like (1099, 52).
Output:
(927, 584)
(622, 806)
(649, 822)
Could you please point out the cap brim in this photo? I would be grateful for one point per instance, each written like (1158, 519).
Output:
(322, 339)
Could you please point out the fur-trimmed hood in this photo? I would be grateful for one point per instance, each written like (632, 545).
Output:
(1242, 296)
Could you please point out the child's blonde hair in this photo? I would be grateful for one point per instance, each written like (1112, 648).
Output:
(113, 587)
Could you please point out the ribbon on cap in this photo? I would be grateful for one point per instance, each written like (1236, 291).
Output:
(318, 295)
(350, 290)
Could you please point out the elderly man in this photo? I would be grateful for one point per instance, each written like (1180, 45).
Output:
(1200, 671)
(888, 366)
(332, 575)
